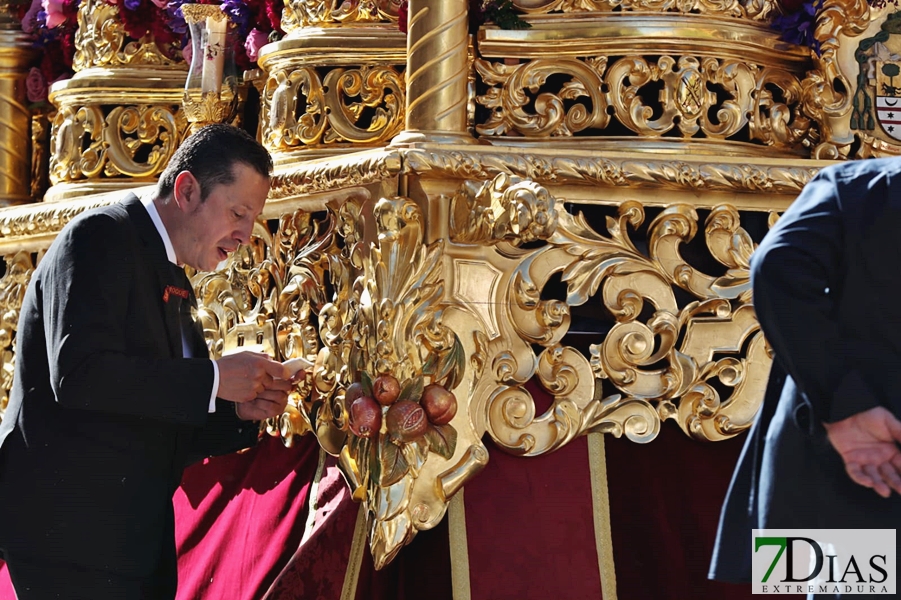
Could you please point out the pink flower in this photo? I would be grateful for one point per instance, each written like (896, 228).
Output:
(36, 86)
(161, 3)
(188, 53)
(256, 39)
(55, 14)
(29, 21)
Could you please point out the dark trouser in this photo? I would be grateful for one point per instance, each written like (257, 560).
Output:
(39, 580)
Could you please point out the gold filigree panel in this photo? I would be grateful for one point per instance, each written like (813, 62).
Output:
(702, 363)
(91, 141)
(686, 97)
(303, 108)
(306, 13)
(753, 9)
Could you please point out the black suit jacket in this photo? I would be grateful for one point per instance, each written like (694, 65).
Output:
(105, 412)
(827, 282)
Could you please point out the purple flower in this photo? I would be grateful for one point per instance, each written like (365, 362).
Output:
(175, 18)
(239, 14)
(132, 4)
(798, 27)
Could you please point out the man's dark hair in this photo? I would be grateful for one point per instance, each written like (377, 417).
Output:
(210, 156)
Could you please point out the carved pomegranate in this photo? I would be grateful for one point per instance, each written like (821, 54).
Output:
(365, 417)
(354, 391)
(406, 420)
(385, 389)
(439, 404)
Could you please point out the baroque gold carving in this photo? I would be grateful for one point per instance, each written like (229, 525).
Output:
(131, 141)
(384, 317)
(827, 89)
(666, 361)
(306, 13)
(19, 268)
(685, 101)
(506, 208)
(43, 220)
(341, 172)
(100, 41)
(363, 106)
(387, 319)
(618, 172)
(755, 9)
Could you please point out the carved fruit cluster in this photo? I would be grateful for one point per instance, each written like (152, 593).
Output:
(406, 419)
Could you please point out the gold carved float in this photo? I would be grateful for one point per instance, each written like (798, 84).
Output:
(554, 224)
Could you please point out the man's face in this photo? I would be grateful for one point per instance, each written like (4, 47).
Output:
(215, 227)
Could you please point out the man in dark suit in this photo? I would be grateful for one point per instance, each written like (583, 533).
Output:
(114, 392)
(824, 451)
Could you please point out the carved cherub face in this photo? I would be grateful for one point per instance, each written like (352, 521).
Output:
(532, 213)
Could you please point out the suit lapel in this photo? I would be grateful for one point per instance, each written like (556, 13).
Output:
(155, 253)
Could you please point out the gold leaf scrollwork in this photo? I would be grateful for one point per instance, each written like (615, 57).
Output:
(756, 9)
(86, 145)
(19, 268)
(826, 91)
(307, 13)
(361, 106)
(768, 99)
(267, 298)
(664, 359)
(551, 117)
(151, 131)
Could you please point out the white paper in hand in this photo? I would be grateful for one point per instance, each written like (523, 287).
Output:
(294, 365)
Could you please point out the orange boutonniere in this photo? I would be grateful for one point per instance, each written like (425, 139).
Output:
(174, 290)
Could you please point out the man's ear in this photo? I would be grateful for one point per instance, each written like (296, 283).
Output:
(186, 191)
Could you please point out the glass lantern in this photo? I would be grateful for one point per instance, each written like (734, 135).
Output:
(212, 84)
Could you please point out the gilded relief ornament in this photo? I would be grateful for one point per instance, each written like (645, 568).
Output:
(395, 396)
(660, 359)
(302, 109)
(873, 111)
(753, 9)
(92, 140)
(764, 101)
(307, 13)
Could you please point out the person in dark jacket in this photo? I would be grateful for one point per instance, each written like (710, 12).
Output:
(114, 391)
(824, 453)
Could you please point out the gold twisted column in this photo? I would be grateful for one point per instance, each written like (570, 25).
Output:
(437, 72)
(15, 119)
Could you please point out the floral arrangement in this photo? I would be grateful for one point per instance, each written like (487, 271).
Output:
(52, 25)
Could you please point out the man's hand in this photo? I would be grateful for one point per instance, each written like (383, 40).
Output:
(265, 406)
(868, 443)
(270, 403)
(251, 376)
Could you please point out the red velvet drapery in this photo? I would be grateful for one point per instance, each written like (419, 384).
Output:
(240, 520)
